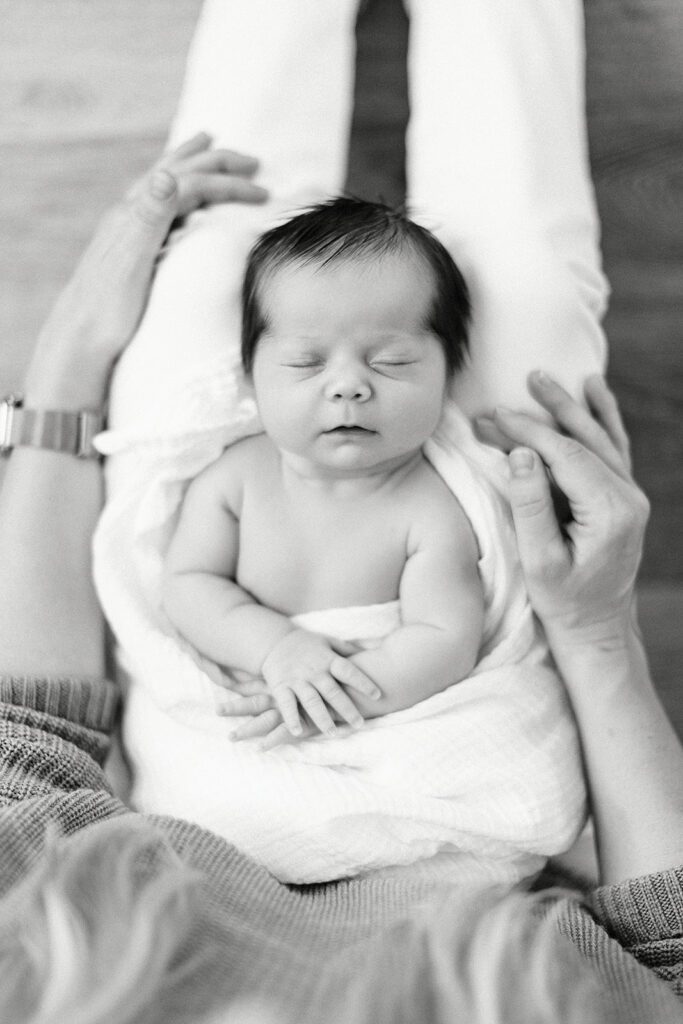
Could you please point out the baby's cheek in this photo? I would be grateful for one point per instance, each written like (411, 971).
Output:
(422, 416)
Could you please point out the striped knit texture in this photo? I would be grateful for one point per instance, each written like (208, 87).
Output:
(278, 942)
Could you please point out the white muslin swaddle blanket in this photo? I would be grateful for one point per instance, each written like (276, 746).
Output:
(480, 782)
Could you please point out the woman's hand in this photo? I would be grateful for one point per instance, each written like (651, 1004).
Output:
(581, 582)
(580, 577)
(98, 312)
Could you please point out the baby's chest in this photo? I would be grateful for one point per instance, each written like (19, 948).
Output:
(298, 558)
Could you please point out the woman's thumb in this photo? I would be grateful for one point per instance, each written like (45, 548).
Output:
(538, 534)
(155, 203)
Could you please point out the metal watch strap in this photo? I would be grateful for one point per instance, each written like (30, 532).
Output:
(61, 431)
(70, 432)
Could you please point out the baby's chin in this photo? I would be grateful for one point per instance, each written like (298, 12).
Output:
(349, 461)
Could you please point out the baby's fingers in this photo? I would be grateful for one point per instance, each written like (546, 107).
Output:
(314, 706)
(346, 672)
(332, 693)
(286, 700)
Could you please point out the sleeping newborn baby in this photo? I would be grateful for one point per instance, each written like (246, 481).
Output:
(354, 322)
(346, 554)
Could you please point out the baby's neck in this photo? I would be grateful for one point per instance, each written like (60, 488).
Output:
(346, 484)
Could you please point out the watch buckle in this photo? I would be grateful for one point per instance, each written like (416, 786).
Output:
(7, 419)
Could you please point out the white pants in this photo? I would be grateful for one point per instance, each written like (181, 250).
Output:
(496, 165)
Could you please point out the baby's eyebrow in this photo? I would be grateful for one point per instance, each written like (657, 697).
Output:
(398, 343)
(298, 348)
(297, 339)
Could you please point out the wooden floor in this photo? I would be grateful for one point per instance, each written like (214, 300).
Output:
(87, 88)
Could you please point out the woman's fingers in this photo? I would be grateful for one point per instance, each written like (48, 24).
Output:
(207, 175)
(240, 705)
(151, 206)
(196, 144)
(603, 405)
(578, 472)
(575, 420)
(225, 161)
(200, 189)
(278, 736)
(539, 537)
(487, 431)
(262, 725)
(254, 684)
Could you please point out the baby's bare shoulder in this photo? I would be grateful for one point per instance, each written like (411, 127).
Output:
(242, 462)
(248, 455)
(438, 518)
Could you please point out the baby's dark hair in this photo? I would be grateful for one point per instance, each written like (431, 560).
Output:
(344, 228)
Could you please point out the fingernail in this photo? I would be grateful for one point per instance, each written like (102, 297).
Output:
(484, 421)
(162, 185)
(521, 461)
(542, 379)
(331, 730)
(503, 412)
(376, 694)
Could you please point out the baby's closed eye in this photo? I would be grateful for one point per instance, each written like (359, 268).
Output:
(302, 364)
(392, 361)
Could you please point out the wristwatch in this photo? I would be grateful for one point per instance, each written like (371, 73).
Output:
(70, 432)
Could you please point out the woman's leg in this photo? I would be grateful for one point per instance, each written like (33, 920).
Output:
(498, 166)
(274, 80)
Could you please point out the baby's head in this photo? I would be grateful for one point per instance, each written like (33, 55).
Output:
(354, 321)
(345, 230)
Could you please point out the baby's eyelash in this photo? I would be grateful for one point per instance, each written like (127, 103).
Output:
(392, 362)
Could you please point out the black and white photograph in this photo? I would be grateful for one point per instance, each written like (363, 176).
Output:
(341, 482)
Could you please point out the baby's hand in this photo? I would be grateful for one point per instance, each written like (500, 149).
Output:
(305, 669)
(264, 721)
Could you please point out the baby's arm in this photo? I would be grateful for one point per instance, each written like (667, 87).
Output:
(200, 595)
(226, 623)
(442, 608)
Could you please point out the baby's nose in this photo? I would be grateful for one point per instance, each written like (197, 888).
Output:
(348, 387)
